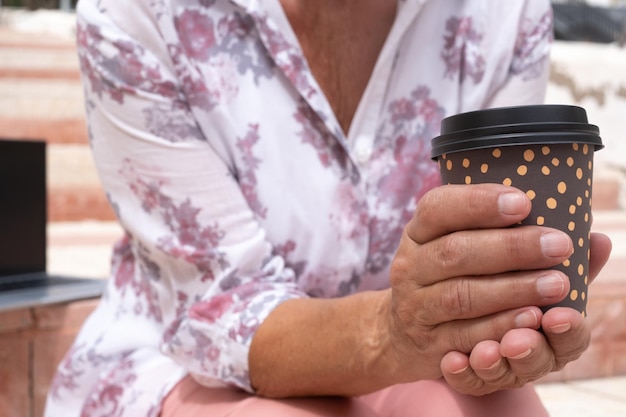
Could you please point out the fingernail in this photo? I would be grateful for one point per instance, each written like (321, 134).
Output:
(555, 244)
(494, 365)
(560, 328)
(527, 319)
(511, 203)
(460, 371)
(550, 286)
(523, 354)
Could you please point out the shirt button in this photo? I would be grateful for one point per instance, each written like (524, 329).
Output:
(363, 153)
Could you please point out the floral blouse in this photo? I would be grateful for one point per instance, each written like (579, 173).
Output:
(235, 185)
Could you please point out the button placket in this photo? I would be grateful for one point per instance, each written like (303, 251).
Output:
(363, 150)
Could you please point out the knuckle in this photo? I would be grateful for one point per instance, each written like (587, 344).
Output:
(425, 341)
(539, 371)
(420, 337)
(569, 352)
(561, 361)
(472, 386)
(465, 341)
(475, 201)
(456, 297)
(520, 245)
(409, 316)
(398, 270)
(452, 251)
(428, 206)
(403, 315)
(503, 377)
(515, 243)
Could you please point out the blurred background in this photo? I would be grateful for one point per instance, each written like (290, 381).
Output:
(40, 92)
(41, 4)
(41, 98)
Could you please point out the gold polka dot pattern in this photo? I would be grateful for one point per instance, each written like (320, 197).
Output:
(557, 178)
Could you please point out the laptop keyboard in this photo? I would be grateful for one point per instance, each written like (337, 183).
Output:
(18, 282)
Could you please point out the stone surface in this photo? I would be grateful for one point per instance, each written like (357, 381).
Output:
(14, 376)
(81, 248)
(32, 98)
(15, 320)
(59, 131)
(48, 349)
(30, 351)
(41, 97)
(591, 75)
(590, 398)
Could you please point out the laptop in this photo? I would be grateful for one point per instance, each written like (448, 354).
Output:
(24, 281)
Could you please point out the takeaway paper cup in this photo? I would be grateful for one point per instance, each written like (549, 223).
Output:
(544, 150)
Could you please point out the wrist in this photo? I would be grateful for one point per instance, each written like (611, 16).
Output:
(381, 354)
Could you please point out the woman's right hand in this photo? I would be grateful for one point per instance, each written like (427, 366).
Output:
(453, 289)
(454, 310)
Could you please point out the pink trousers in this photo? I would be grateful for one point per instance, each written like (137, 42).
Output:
(424, 398)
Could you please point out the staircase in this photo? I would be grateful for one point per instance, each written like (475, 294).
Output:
(41, 98)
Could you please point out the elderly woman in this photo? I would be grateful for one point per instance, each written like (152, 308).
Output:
(287, 248)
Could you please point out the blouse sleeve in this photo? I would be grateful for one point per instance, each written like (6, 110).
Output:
(529, 69)
(197, 261)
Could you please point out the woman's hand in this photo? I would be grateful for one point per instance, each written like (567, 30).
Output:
(456, 309)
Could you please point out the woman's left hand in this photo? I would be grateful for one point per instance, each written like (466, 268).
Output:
(525, 355)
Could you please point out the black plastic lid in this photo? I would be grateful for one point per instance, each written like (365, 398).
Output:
(506, 126)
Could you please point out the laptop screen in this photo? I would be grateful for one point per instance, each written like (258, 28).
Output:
(23, 208)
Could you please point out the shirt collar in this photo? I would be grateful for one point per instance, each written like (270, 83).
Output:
(280, 41)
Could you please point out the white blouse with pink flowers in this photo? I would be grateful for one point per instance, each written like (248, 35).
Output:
(237, 188)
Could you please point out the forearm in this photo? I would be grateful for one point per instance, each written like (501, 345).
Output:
(310, 347)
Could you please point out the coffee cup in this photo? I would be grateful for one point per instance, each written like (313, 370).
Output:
(544, 150)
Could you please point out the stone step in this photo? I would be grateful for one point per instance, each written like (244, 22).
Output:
(41, 97)
(82, 248)
(75, 193)
(605, 193)
(606, 355)
(32, 61)
(78, 203)
(32, 343)
(39, 28)
(74, 190)
(58, 131)
(31, 99)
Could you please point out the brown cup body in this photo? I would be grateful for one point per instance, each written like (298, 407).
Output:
(558, 180)
(544, 150)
